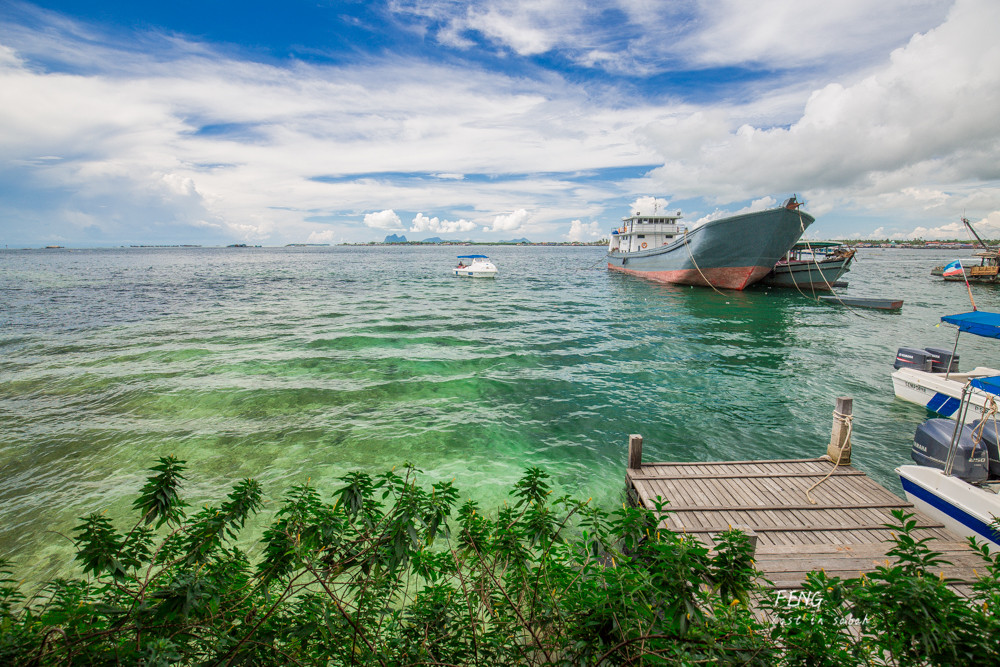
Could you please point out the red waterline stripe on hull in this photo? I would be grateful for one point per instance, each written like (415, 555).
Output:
(729, 277)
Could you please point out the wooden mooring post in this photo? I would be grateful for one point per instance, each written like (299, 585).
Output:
(634, 452)
(839, 449)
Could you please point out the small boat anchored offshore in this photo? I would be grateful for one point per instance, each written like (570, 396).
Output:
(930, 376)
(475, 266)
(987, 272)
(729, 253)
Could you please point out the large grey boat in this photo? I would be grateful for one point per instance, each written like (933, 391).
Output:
(730, 253)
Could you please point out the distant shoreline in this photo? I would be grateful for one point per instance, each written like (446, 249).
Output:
(897, 245)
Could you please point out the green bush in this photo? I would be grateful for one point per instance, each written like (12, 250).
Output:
(389, 572)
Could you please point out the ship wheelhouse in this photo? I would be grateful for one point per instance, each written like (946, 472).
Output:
(646, 232)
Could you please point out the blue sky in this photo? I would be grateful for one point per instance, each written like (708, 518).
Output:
(218, 122)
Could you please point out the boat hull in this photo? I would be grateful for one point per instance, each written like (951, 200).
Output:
(465, 273)
(963, 508)
(938, 394)
(731, 253)
(863, 302)
(818, 275)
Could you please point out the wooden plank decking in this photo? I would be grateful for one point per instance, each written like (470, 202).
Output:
(841, 533)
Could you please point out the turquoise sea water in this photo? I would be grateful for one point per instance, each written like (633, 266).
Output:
(287, 364)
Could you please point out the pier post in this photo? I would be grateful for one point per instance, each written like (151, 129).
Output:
(634, 452)
(839, 449)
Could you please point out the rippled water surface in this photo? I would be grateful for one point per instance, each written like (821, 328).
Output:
(286, 364)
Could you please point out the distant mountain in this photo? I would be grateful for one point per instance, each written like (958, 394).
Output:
(392, 238)
(438, 239)
(517, 241)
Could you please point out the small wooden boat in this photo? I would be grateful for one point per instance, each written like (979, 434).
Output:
(811, 265)
(863, 302)
(987, 272)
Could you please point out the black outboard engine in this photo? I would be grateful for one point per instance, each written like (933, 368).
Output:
(942, 361)
(991, 437)
(911, 357)
(930, 448)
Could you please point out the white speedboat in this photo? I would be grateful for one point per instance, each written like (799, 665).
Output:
(930, 377)
(957, 476)
(475, 266)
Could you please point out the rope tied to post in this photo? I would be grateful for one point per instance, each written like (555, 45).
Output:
(989, 412)
(848, 421)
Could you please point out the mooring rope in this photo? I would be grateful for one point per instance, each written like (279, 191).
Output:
(606, 255)
(851, 309)
(989, 412)
(849, 421)
(695, 262)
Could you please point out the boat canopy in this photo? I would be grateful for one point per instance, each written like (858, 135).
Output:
(473, 257)
(977, 322)
(805, 245)
(990, 385)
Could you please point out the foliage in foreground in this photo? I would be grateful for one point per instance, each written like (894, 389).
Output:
(392, 573)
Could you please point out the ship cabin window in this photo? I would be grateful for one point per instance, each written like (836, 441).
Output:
(642, 236)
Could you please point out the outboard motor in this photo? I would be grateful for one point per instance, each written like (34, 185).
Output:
(991, 437)
(930, 448)
(911, 357)
(942, 361)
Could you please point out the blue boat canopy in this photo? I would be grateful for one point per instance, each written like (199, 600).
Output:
(990, 384)
(473, 257)
(977, 322)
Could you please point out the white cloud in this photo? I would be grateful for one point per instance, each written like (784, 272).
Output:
(789, 33)
(649, 206)
(386, 219)
(185, 138)
(987, 227)
(924, 120)
(421, 223)
(510, 222)
(579, 231)
(640, 37)
(325, 236)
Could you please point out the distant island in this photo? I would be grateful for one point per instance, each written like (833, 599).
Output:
(393, 239)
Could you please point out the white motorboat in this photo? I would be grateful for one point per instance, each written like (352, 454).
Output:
(475, 266)
(957, 476)
(930, 376)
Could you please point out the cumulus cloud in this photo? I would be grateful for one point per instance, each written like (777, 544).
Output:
(510, 222)
(649, 206)
(987, 227)
(580, 231)
(422, 223)
(386, 219)
(324, 236)
(240, 148)
(925, 118)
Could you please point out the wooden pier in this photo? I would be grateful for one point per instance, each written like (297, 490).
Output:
(837, 526)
